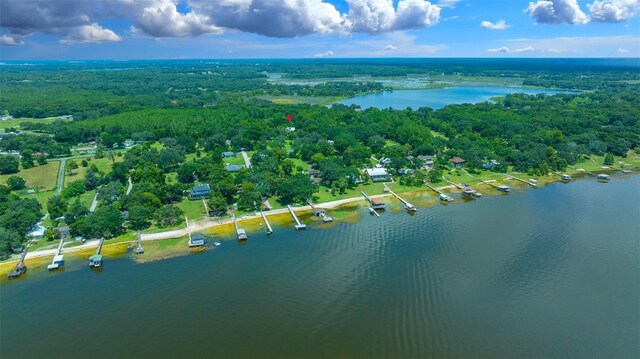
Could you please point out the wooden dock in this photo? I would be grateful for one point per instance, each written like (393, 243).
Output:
(240, 233)
(320, 212)
(58, 258)
(501, 188)
(139, 248)
(95, 261)
(21, 267)
(269, 230)
(443, 197)
(299, 225)
(521, 180)
(374, 202)
(407, 205)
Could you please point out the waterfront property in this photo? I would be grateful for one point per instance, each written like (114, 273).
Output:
(375, 203)
(377, 174)
(37, 232)
(200, 191)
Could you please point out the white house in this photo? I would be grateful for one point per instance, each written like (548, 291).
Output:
(37, 232)
(377, 174)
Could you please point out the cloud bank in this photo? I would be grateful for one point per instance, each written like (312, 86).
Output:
(79, 21)
(569, 12)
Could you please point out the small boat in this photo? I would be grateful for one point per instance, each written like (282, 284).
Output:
(565, 177)
(371, 210)
(216, 243)
(603, 177)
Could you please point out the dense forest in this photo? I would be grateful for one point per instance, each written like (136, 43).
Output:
(184, 115)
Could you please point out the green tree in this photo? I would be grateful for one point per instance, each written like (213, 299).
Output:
(71, 166)
(9, 164)
(16, 182)
(9, 239)
(608, 159)
(217, 204)
(42, 160)
(27, 158)
(56, 206)
(73, 189)
(168, 215)
(139, 217)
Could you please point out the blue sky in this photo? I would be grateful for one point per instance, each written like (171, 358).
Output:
(139, 29)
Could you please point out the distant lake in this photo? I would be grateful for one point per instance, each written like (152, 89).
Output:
(437, 98)
(545, 273)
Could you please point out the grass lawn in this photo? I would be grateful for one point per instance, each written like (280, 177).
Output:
(238, 160)
(194, 210)
(87, 198)
(298, 162)
(41, 197)
(44, 177)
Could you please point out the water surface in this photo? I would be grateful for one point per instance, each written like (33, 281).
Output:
(437, 98)
(551, 272)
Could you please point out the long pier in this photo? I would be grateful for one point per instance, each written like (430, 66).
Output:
(521, 180)
(407, 205)
(443, 197)
(467, 191)
(58, 258)
(501, 188)
(298, 224)
(20, 268)
(240, 233)
(452, 183)
(374, 202)
(269, 230)
(95, 260)
(139, 248)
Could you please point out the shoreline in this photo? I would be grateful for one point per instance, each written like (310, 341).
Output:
(205, 224)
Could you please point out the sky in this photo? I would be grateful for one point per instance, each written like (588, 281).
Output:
(195, 29)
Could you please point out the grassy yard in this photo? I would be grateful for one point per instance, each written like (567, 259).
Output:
(44, 177)
(238, 160)
(194, 210)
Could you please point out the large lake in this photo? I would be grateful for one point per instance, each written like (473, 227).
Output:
(437, 98)
(551, 272)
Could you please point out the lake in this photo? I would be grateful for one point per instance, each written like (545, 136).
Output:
(437, 98)
(550, 272)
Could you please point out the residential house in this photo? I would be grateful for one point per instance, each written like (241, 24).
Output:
(64, 231)
(426, 160)
(200, 191)
(457, 162)
(228, 154)
(234, 168)
(37, 232)
(377, 174)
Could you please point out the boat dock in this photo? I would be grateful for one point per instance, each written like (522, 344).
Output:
(298, 224)
(443, 197)
(407, 205)
(374, 212)
(563, 176)
(320, 212)
(139, 249)
(269, 230)
(521, 180)
(95, 261)
(467, 191)
(375, 203)
(240, 233)
(58, 258)
(20, 268)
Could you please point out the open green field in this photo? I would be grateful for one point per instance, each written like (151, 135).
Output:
(293, 100)
(44, 177)
(15, 122)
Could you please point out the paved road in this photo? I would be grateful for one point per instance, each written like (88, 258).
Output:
(247, 161)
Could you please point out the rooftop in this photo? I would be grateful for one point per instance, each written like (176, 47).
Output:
(376, 171)
(458, 160)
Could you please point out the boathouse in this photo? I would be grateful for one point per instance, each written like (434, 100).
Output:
(196, 239)
(457, 162)
(377, 174)
(200, 191)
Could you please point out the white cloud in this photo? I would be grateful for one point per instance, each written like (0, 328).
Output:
(324, 54)
(623, 51)
(614, 10)
(165, 18)
(506, 50)
(390, 48)
(93, 33)
(499, 25)
(448, 3)
(557, 12)
(11, 40)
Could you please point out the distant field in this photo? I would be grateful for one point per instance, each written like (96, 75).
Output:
(43, 177)
(292, 100)
(15, 122)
